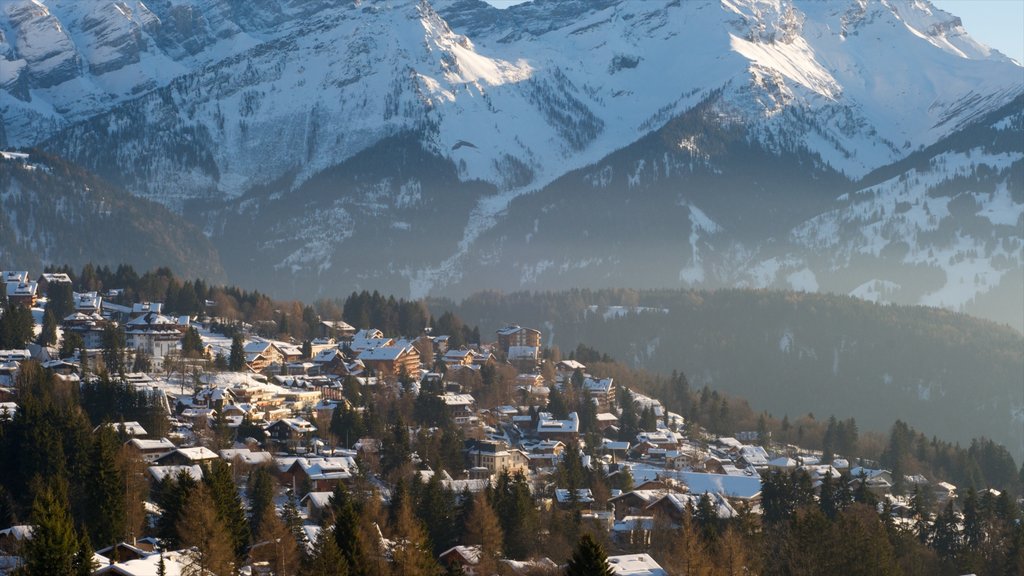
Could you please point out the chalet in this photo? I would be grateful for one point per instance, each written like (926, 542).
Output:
(753, 457)
(88, 302)
(566, 368)
(734, 487)
(550, 429)
(368, 338)
(338, 329)
(187, 456)
(172, 562)
(9, 276)
(460, 559)
(636, 501)
(319, 474)
(441, 343)
(290, 433)
(316, 504)
(22, 293)
(496, 457)
(524, 358)
(601, 391)
(256, 362)
(89, 326)
(155, 334)
(131, 428)
(565, 499)
(334, 361)
(389, 361)
(245, 457)
(268, 350)
(545, 453)
(150, 450)
(635, 565)
(673, 505)
(458, 358)
(460, 407)
(45, 280)
(515, 335)
(143, 308)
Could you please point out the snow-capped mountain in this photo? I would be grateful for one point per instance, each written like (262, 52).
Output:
(239, 111)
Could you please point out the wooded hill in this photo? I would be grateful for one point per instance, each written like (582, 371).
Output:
(944, 373)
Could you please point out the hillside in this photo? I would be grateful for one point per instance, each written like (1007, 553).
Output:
(53, 212)
(793, 353)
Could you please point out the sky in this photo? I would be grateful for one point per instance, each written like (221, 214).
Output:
(996, 23)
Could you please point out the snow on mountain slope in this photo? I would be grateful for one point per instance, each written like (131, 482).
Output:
(239, 104)
(946, 228)
(598, 75)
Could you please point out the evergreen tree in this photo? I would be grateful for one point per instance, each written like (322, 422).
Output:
(172, 496)
(513, 504)
(228, 504)
(346, 532)
(48, 336)
(236, 361)
(200, 526)
(59, 299)
(325, 559)
(437, 511)
(260, 490)
(114, 357)
(588, 559)
(70, 343)
(105, 490)
(191, 343)
(84, 563)
(54, 544)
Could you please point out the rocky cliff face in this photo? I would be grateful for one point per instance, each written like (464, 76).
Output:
(736, 126)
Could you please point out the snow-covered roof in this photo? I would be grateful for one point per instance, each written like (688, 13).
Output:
(383, 353)
(174, 562)
(583, 496)
(594, 385)
(130, 428)
(152, 445)
(523, 352)
(453, 399)
(635, 565)
(159, 473)
(744, 487)
(247, 456)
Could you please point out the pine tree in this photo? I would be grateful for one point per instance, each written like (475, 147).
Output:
(236, 361)
(346, 531)
(172, 496)
(588, 559)
(48, 335)
(191, 343)
(54, 544)
(105, 490)
(261, 496)
(228, 505)
(200, 526)
(325, 559)
(84, 563)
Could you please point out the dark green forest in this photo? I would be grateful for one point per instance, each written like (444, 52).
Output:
(946, 374)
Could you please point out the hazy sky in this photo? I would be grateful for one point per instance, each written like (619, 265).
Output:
(997, 23)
